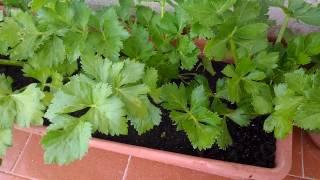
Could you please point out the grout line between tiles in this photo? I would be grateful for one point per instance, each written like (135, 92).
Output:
(19, 175)
(302, 158)
(308, 178)
(126, 170)
(20, 154)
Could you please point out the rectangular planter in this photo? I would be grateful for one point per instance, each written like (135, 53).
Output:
(283, 159)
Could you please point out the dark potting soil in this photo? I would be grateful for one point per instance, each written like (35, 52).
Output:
(19, 81)
(251, 145)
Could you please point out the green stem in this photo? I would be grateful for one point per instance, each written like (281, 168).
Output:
(283, 28)
(233, 50)
(163, 5)
(11, 62)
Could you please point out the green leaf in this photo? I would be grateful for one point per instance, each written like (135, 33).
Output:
(5, 85)
(280, 123)
(96, 67)
(302, 48)
(28, 106)
(125, 9)
(225, 139)
(106, 112)
(108, 116)
(286, 104)
(23, 4)
(262, 104)
(246, 11)
(201, 31)
(117, 74)
(201, 80)
(8, 35)
(216, 48)
(305, 12)
(173, 23)
(1, 15)
(234, 85)
(143, 125)
(138, 46)
(266, 62)
(276, 3)
(37, 4)
(207, 13)
(132, 72)
(67, 141)
(125, 78)
(108, 39)
(151, 79)
(41, 74)
(23, 107)
(51, 53)
(312, 43)
(188, 53)
(18, 36)
(244, 66)
(199, 98)
(299, 75)
(307, 116)
(201, 125)
(240, 116)
(234, 89)
(8, 112)
(29, 37)
(244, 82)
(219, 107)
(166, 70)
(252, 37)
(256, 76)
(207, 64)
(144, 15)
(74, 45)
(174, 97)
(131, 96)
(229, 71)
(82, 13)
(5, 140)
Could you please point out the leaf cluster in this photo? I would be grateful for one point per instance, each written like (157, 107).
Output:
(103, 70)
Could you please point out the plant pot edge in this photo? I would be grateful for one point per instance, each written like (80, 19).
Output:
(315, 137)
(232, 170)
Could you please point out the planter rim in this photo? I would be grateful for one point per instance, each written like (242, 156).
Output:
(283, 159)
(315, 137)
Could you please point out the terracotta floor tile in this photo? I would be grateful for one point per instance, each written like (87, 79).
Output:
(96, 165)
(140, 169)
(291, 178)
(311, 157)
(296, 153)
(19, 140)
(4, 176)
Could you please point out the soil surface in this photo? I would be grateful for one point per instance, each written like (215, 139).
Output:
(19, 81)
(251, 145)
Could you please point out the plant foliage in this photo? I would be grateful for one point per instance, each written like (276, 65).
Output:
(103, 70)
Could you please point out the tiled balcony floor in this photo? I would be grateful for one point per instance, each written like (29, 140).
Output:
(25, 161)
